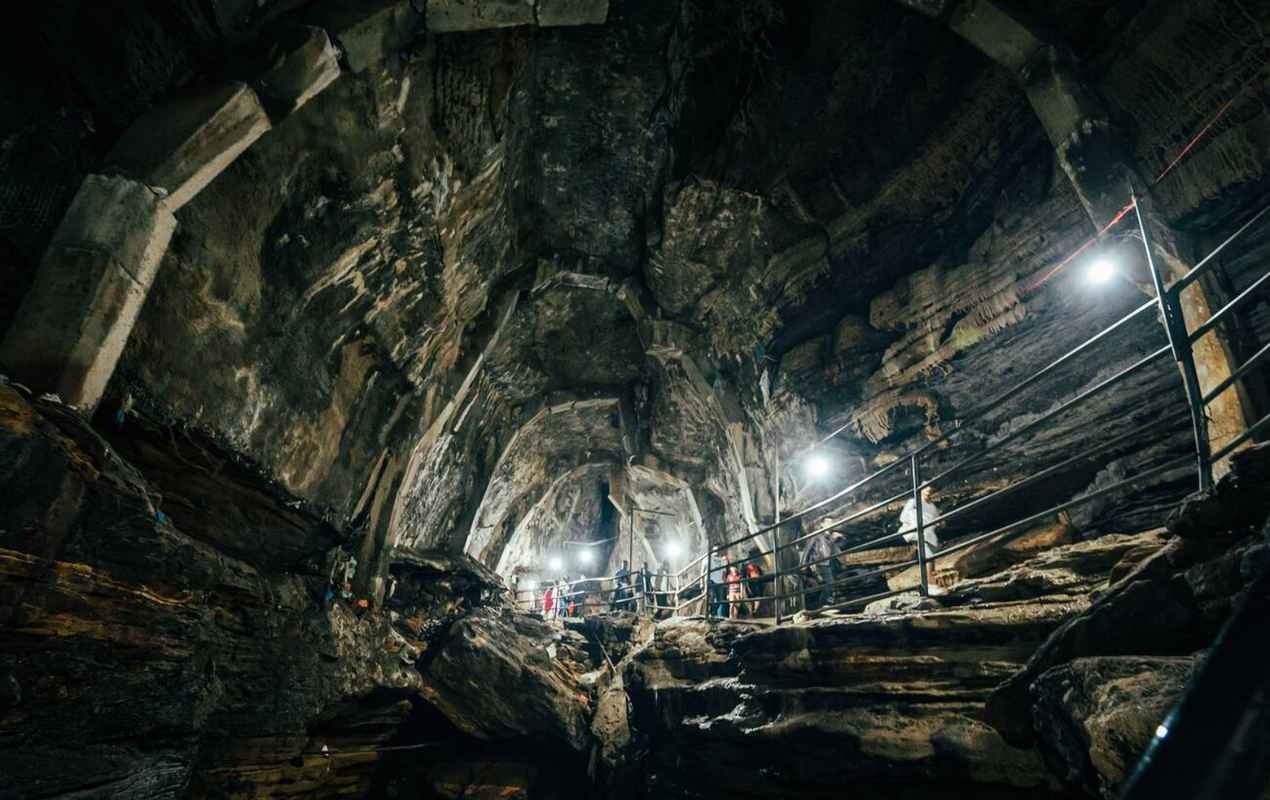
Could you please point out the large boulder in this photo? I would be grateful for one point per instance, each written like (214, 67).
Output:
(505, 674)
(1095, 716)
(870, 702)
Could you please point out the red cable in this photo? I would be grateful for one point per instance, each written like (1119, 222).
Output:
(1088, 243)
(1221, 112)
(1191, 144)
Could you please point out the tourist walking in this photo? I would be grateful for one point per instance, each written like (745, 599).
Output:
(908, 522)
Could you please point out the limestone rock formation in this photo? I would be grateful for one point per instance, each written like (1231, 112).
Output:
(333, 330)
(1095, 716)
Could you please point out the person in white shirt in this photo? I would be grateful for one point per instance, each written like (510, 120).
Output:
(908, 522)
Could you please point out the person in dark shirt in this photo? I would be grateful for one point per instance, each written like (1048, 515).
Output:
(622, 589)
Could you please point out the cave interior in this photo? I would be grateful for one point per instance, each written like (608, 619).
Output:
(338, 332)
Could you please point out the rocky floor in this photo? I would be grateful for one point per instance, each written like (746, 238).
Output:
(139, 660)
(1047, 677)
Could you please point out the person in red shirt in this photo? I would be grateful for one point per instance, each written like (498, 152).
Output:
(548, 600)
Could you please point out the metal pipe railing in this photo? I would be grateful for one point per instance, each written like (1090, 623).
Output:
(1194, 272)
(1248, 433)
(1235, 302)
(1049, 512)
(995, 402)
(1237, 374)
(696, 578)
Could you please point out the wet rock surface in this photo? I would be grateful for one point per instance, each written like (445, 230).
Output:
(142, 661)
(1095, 716)
(507, 278)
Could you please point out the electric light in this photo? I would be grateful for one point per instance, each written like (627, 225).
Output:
(672, 548)
(586, 556)
(555, 563)
(817, 466)
(1101, 271)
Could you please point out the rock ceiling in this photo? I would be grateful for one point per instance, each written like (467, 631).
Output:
(504, 262)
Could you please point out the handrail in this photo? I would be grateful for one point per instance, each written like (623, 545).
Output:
(970, 417)
(1194, 272)
(698, 575)
(1237, 374)
(1215, 318)
(1015, 434)
(1206, 748)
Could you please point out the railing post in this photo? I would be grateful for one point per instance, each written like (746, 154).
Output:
(1183, 353)
(778, 578)
(916, 470)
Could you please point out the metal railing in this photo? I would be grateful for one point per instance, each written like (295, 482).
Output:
(792, 571)
(635, 592)
(799, 570)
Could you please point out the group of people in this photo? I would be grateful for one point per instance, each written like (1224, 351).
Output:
(339, 584)
(821, 565)
(741, 588)
(561, 598)
(821, 568)
(732, 583)
(632, 591)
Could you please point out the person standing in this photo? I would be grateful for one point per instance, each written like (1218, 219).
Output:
(736, 590)
(908, 522)
(579, 596)
(562, 597)
(716, 591)
(548, 600)
(753, 580)
(622, 588)
(661, 582)
(816, 558)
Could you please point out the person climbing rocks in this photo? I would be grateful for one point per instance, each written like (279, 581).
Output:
(736, 590)
(908, 522)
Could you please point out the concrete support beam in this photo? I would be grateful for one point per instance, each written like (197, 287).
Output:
(997, 33)
(473, 15)
(554, 13)
(1092, 151)
(182, 146)
(368, 30)
(309, 63)
(1097, 159)
(73, 324)
(445, 16)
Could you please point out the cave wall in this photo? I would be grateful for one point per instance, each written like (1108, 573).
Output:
(744, 227)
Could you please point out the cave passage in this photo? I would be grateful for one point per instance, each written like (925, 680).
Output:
(634, 399)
